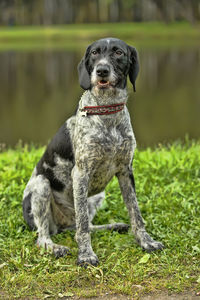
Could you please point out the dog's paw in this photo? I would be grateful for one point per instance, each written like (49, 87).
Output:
(153, 246)
(147, 243)
(60, 251)
(57, 250)
(84, 260)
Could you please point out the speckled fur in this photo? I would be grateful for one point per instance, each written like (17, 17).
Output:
(67, 187)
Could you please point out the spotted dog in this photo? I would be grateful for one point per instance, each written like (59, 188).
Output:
(67, 185)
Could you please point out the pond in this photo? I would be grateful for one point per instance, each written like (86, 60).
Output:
(39, 89)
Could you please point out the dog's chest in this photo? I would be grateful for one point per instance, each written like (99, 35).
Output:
(105, 143)
(111, 144)
(103, 151)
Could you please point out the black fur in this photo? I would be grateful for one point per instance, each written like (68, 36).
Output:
(60, 144)
(55, 184)
(83, 73)
(134, 66)
(132, 179)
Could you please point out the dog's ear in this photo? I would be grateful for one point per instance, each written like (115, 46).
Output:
(134, 65)
(84, 77)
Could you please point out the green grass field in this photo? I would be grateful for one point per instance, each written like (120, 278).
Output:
(168, 189)
(69, 36)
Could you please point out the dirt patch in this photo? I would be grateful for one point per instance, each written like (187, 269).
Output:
(189, 295)
(164, 296)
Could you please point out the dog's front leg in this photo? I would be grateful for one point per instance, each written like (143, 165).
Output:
(80, 190)
(127, 186)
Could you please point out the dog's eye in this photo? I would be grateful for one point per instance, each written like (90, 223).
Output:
(94, 52)
(118, 52)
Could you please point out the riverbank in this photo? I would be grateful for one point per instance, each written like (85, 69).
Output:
(74, 34)
(168, 189)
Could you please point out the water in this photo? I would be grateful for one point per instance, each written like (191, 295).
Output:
(39, 89)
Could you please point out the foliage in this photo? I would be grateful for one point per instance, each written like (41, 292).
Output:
(20, 12)
(168, 189)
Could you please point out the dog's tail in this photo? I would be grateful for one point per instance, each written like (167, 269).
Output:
(120, 227)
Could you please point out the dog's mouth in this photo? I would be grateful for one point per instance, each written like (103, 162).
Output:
(103, 83)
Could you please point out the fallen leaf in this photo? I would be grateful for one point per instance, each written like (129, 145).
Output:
(196, 248)
(3, 265)
(144, 259)
(66, 294)
(137, 286)
(28, 266)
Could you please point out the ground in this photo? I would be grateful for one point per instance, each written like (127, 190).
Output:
(168, 189)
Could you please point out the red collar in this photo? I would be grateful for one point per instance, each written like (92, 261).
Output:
(102, 109)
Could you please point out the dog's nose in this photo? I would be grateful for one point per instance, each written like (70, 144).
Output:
(103, 70)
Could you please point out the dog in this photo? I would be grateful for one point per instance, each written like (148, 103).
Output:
(67, 185)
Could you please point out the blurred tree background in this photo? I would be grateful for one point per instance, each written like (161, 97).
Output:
(50, 12)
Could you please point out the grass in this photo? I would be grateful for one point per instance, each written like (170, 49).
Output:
(168, 189)
(69, 36)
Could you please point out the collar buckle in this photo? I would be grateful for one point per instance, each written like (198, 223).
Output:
(83, 113)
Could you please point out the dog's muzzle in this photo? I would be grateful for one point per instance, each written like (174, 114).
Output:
(103, 73)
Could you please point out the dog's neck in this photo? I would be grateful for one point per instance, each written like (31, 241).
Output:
(104, 97)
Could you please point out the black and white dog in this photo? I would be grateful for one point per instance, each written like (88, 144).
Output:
(67, 185)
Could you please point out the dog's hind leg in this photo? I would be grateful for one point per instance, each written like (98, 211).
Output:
(39, 196)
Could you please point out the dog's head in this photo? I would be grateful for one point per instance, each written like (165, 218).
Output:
(106, 65)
